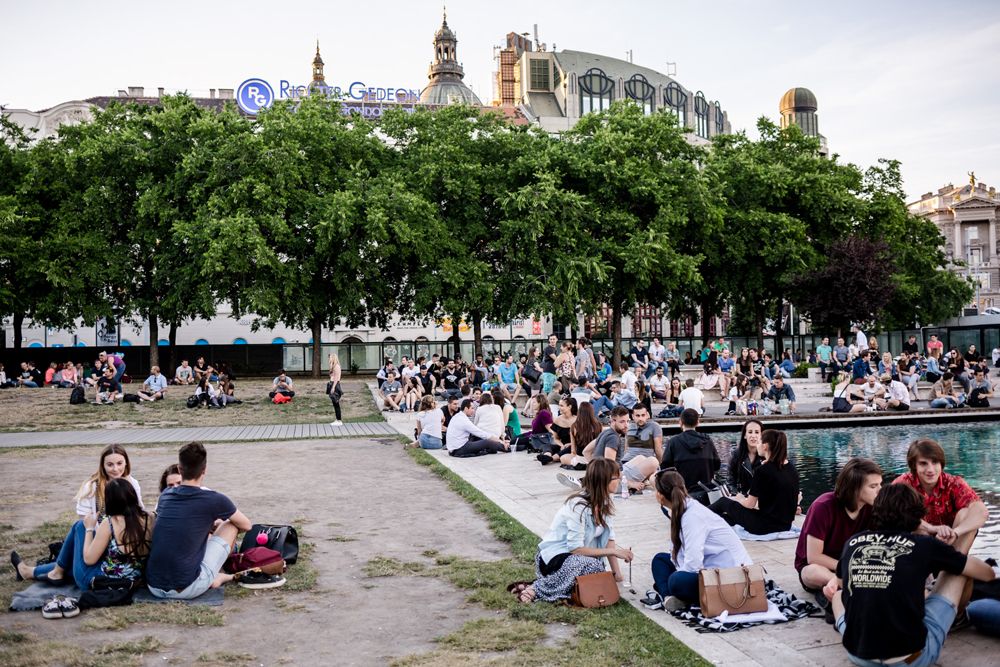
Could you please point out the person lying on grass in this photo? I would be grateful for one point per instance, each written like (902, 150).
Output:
(580, 538)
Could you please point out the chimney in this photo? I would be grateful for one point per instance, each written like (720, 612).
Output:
(159, 92)
(122, 93)
(981, 186)
(211, 93)
(135, 91)
(225, 93)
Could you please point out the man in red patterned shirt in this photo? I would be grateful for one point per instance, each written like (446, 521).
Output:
(954, 511)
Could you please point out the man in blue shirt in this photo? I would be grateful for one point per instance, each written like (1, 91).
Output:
(780, 390)
(509, 379)
(823, 352)
(155, 386)
(861, 368)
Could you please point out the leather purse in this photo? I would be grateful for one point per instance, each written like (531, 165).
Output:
(266, 560)
(282, 539)
(595, 591)
(738, 590)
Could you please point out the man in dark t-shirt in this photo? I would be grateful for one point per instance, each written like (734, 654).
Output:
(107, 387)
(182, 564)
(878, 595)
(548, 363)
(452, 379)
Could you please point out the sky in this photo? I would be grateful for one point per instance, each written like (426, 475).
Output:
(914, 81)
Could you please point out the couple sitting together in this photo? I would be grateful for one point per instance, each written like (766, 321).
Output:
(178, 549)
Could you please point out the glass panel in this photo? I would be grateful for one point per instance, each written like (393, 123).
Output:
(539, 74)
(963, 338)
(683, 347)
(293, 358)
(991, 339)
(915, 332)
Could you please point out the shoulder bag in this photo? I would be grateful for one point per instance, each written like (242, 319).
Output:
(282, 539)
(263, 559)
(738, 590)
(594, 591)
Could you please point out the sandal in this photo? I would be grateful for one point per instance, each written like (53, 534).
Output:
(527, 595)
(518, 587)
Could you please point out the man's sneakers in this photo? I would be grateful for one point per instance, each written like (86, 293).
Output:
(60, 607)
(571, 482)
(254, 580)
(337, 423)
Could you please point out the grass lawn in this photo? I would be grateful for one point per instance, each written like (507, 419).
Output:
(48, 409)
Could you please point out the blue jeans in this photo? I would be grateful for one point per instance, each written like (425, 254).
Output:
(428, 441)
(119, 372)
(71, 558)
(939, 614)
(548, 379)
(985, 615)
(602, 402)
(947, 401)
(668, 581)
(216, 552)
(29, 383)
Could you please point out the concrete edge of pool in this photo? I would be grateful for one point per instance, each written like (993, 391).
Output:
(831, 420)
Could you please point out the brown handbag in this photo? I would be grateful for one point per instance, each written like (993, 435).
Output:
(594, 591)
(738, 590)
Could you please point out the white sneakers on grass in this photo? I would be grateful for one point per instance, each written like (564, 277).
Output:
(337, 423)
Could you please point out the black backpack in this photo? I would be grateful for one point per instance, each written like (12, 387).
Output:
(130, 398)
(77, 396)
(193, 401)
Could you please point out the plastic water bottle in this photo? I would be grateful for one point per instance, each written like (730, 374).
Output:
(623, 490)
(767, 407)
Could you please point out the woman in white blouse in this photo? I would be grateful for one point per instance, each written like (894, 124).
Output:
(489, 416)
(114, 465)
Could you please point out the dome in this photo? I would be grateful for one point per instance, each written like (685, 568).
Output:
(443, 92)
(444, 32)
(798, 99)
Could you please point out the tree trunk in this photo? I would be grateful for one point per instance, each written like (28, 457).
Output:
(456, 322)
(154, 341)
(18, 322)
(705, 315)
(317, 346)
(616, 334)
(477, 331)
(758, 318)
(172, 349)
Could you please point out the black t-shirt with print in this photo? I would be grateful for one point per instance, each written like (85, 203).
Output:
(883, 574)
(452, 379)
(108, 385)
(548, 363)
(777, 492)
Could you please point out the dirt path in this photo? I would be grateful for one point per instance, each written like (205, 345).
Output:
(363, 491)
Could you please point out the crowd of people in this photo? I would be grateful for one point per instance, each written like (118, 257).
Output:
(177, 549)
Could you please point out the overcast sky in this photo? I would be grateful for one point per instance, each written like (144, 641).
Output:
(915, 81)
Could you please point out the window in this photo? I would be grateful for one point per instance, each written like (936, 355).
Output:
(646, 322)
(676, 100)
(80, 344)
(682, 328)
(276, 341)
(35, 344)
(202, 341)
(710, 323)
(639, 89)
(719, 124)
(539, 74)
(597, 326)
(700, 115)
(596, 91)
(163, 341)
(556, 76)
(240, 341)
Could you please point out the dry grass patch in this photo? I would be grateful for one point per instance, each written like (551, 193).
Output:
(27, 651)
(380, 566)
(494, 634)
(225, 658)
(167, 613)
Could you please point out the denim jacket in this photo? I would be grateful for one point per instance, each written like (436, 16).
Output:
(572, 529)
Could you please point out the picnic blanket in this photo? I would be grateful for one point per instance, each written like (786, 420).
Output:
(34, 596)
(791, 608)
(791, 534)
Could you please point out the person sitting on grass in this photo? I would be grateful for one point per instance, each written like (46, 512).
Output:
(114, 463)
(201, 369)
(184, 374)
(429, 421)
(392, 394)
(833, 519)
(208, 395)
(182, 563)
(878, 596)
(467, 439)
(107, 387)
(580, 538)
(943, 393)
(772, 502)
(954, 511)
(116, 547)
(281, 385)
(30, 376)
(699, 538)
(155, 386)
(67, 376)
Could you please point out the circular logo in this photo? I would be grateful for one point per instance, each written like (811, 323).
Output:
(254, 95)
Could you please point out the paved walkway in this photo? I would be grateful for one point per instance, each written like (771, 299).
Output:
(530, 493)
(204, 433)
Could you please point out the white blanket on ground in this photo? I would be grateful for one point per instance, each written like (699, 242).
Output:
(791, 534)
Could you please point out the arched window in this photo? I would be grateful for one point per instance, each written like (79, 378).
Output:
(126, 343)
(163, 341)
(276, 341)
(240, 341)
(597, 91)
(719, 124)
(676, 100)
(35, 344)
(639, 89)
(700, 115)
(200, 341)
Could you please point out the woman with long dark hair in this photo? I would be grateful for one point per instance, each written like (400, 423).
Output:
(746, 459)
(699, 539)
(580, 538)
(772, 501)
(540, 425)
(117, 547)
(584, 431)
(710, 372)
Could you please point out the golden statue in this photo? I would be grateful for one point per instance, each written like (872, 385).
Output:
(972, 178)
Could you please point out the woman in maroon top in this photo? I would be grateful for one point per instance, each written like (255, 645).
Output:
(542, 423)
(834, 518)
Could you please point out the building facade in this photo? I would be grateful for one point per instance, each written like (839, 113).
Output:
(967, 217)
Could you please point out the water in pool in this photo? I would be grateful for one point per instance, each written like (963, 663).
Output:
(972, 451)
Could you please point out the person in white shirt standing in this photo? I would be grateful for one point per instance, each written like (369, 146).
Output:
(467, 439)
(860, 337)
(691, 398)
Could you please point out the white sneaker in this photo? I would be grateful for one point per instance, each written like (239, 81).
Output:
(337, 423)
(571, 482)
